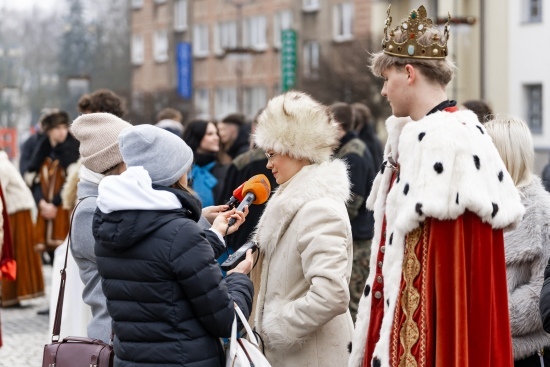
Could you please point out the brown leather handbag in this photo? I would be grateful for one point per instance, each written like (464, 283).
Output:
(74, 351)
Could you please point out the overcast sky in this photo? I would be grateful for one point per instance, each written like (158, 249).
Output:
(29, 4)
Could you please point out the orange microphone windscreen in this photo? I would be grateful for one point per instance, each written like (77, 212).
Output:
(259, 185)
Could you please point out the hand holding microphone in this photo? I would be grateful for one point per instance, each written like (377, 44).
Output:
(221, 223)
(255, 191)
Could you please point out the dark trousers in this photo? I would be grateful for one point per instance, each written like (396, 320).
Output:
(534, 360)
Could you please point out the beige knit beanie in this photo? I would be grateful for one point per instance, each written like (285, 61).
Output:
(98, 136)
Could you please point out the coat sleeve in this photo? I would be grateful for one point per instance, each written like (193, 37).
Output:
(359, 175)
(82, 237)
(545, 299)
(524, 302)
(198, 273)
(323, 244)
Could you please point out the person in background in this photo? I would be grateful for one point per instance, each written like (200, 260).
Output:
(481, 109)
(171, 120)
(441, 202)
(98, 136)
(363, 124)
(76, 322)
(164, 290)
(526, 248)
(304, 236)
(102, 100)
(208, 173)
(55, 152)
(361, 170)
(234, 136)
(250, 163)
(27, 148)
(546, 177)
(29, 282)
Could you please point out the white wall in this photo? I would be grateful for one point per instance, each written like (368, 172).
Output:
(529, 63)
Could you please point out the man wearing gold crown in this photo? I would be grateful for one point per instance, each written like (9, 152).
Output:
(436, 295)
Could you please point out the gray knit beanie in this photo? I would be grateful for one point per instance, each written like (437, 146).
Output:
(164, 155)
(98, 136)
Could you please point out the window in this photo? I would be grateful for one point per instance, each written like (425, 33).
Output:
(311, 59)
(282, 21)
(226, 36)
(254, 32)
(200, 40)
(254, 99)
(202, 104)
(160, 45)
(226, 102)
(180, 15)
(533, 99)
(137, 4)
(343, 21)
(311, 5)
(532, 10)
(137, 49)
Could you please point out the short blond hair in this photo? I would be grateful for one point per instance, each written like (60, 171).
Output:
(438, 71)
(514, 143)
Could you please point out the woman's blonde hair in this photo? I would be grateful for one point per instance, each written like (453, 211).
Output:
(514, 143)
(438, 71)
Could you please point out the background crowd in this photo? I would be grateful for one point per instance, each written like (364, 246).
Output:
(65, 162)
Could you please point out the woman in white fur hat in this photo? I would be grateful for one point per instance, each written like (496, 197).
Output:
(305, 237)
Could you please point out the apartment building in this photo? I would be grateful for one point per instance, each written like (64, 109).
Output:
(160, 78)
(236, 52)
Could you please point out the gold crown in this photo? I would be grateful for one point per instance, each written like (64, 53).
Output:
(414, 27)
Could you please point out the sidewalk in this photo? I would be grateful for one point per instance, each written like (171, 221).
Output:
(24, 333)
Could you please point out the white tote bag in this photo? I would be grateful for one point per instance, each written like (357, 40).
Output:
(241, 352)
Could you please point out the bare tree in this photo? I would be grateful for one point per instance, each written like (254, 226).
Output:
(344, 76)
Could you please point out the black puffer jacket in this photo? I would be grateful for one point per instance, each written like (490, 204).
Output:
(164, 288)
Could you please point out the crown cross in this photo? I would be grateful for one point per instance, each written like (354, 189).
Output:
(414, 27)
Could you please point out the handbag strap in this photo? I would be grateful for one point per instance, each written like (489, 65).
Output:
(233, 341)
(244, 321)
(61, 296)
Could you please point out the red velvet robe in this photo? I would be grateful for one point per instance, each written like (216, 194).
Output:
(452, 309)
(7, 263)
(462, 315)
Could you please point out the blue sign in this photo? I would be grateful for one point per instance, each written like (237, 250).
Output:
(185, 70)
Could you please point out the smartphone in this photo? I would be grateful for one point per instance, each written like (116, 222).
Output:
(235, 258)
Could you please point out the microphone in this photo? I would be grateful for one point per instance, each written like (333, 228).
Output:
(237, 197)
(256, 191)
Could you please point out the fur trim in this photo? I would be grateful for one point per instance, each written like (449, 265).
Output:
(296, 125)
(326, 180)
(527, 250)
(448, 164)
(16, 193)
(68, 192)
(276, 337)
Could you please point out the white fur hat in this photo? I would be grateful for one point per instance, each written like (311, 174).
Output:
(297, 125)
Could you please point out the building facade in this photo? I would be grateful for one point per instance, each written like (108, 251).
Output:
(237, 51)
(528, 76)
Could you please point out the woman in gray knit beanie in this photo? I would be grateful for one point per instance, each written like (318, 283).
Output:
(165, 292)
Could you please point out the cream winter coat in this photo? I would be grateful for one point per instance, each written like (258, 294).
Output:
(305, 234)
(17, 194)
(527, 250)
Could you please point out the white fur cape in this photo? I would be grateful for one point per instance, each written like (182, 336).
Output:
(448, 164)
